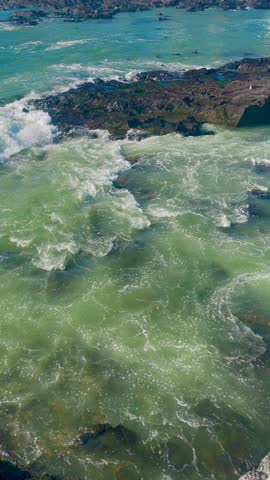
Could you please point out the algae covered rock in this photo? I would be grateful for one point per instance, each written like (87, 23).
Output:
(235, 95)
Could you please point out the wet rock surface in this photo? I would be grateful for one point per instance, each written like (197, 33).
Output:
(236, 94)
(27, 17)
(260, 473)
(9, 471)
(264, 359)
(75, 9)
(107, 438)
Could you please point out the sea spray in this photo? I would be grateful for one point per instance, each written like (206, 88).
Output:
(22, 127)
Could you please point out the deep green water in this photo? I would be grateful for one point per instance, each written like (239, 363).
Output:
(131, 306)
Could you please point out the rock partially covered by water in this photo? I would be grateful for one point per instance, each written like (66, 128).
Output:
(9, 471)
(237, 94)
(264, 359)
(108, 8)
(106, 437)
(27, 17)
(228, 443)
(260, 473)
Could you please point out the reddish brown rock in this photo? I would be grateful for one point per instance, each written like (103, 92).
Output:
(237, 94)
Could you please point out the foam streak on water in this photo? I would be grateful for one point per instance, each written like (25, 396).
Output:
(22, 127)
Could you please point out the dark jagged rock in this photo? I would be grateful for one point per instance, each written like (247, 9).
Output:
(107, 438)
(159, 102)
(264, 359)
(262, 167)
(9, 471)
(259, 194)
(27, 17)
(83, 9)
(262, 472)
(259, 203)
(257, 211)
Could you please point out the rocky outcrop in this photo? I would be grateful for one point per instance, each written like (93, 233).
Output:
(235, 95)
(105, 436)
(9, 471)
(108, 8)
(27, 17)
(260, 473)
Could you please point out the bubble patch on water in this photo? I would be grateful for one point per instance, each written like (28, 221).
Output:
(22, 127)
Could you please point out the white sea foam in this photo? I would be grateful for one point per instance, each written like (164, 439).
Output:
(240, 214)
(126, 203)
(21, 128)
(53, 256)
(160, 212)
(119, 71)
(90, 178)
(7, 26)
(261, 187)
(131, 75)
(27, 45)
(66, 44)
(32, 42)
(96, 71)
(20, 242)
(86, 168)
(223, 221)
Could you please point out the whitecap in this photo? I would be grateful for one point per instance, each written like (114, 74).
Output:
(20, 242)
(7, 26)
(223, 221)
(22, 127)
(53, 256)
(240, 214)
(160, 212)
(26, 45)
(66, 44)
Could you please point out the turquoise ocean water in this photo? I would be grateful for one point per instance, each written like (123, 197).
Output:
(138, 307)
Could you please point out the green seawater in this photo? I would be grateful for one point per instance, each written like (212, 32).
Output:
(145, 306)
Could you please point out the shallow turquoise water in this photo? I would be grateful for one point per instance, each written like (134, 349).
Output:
(58, 53)
(138, 306)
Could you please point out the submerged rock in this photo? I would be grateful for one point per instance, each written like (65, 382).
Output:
(264, 359)
(228, 443)
(107, 438)
(27, 17)
(262, 167)
(180, 453)
(237, 94)
(8, 471)
(259, 203)
(257, 212)
(262, 472)
(139, 180)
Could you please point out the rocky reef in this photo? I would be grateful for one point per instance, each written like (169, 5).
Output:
(10, 471)
(260, 473)
(27, 17)
(81, 9)
(156, 103)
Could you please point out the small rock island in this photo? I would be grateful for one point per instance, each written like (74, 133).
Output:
(234, 95)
